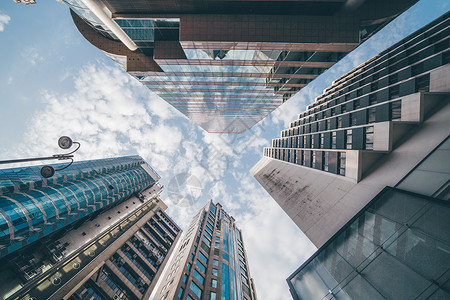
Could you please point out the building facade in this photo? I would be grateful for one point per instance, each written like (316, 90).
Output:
(365, 172)
(210, 262)
(227, 64)
(96, 230)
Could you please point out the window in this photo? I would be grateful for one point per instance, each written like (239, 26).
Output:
(189, 266)
(333, 140)
(201, 266)
(341, 163)
(180, 293)
(199, 277)
(185, 278)
(217, 244)
(371, 115)
(325, 160)
(322, 136)
(352, 119)
(356, 104)
(215, 262)
(203, 257)
(213, 283)
(396, 110)
(214, 272)
(372, 99)
(343, 108)
(348, 142)
(194, 288)
(212, 296)
(189, 298)
(313, 159)
(369, 138)
(340, 122)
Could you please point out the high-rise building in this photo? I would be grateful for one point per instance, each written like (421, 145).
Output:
(96, 230)
(210, 261)
(365, 171)
(227, 64)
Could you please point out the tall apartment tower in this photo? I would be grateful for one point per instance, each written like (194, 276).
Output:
(227, 64)
(365, 174)
(210, 262)
(96, 230)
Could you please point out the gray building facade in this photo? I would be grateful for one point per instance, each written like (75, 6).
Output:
(367, 131)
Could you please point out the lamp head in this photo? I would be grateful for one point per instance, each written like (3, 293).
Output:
(47, 171)
(65, 142)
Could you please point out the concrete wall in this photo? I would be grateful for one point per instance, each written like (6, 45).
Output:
(320, 203)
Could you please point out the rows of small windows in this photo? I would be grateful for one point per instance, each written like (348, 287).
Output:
(113, 282)
(171, 226)
(136, 260)
(329, 161)
(357, 138)
(400, 68)
(363, 111)
(432, 41)
(129, 273)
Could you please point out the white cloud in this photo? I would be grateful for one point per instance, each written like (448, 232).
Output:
(4, 20)
(32, 55)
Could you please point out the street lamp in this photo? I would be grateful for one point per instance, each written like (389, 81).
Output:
(64, 142)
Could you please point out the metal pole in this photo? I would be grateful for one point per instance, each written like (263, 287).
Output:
(57, 156)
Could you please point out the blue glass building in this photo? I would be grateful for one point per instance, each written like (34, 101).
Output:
(32, 207)
(211, 261)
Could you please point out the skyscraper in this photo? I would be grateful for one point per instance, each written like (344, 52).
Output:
(210, 262)
(96, 229)
(227, 64)
(365, 171)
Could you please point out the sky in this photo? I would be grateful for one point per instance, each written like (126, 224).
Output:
(53, 83)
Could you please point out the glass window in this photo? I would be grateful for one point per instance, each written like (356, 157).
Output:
(313, 155)
(371, 115)
(195, 289)
(340, 122)
(217, 244)
(199, 277)
(212, 296)
(180, 293)
(201, 266)
(189, 298)
(185, 278)
(341, 163)
(349, 139)
(333, 140)
(325, 160)
(369, 138)
(213, 283)
(396, 110)
(214, 272)
(215, 262)
(203, 257)
(189, 266)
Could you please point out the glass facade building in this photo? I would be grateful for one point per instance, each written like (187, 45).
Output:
(226, 65)
(96, 229)
(32, 207)
(396, 248)
(211, 261)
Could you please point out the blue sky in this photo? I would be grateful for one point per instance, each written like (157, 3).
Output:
(53, 83)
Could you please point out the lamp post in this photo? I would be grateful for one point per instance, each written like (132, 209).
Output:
(64, 142)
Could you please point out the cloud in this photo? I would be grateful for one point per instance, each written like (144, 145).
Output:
(4, 20)
(32, 55)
